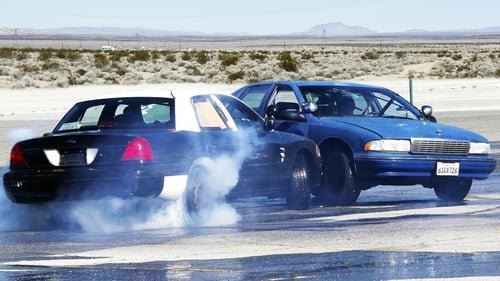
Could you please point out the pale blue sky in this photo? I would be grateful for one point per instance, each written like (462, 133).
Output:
(258, 17)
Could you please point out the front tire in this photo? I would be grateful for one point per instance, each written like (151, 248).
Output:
(299, 190)
(339, 185)
(453, 190)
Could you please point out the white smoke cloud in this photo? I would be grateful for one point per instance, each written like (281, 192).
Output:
(116, 215)
(223, 177)
(15, 217)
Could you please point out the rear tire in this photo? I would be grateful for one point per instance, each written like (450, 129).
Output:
(339, 186)
(196, 185)
(299, 190)
(453, 190)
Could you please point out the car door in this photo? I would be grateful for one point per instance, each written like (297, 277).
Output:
(285, 98)
(263, 149)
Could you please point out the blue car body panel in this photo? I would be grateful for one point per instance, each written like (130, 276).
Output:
(377, 167)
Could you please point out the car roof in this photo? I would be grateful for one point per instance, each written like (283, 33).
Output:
(301, 83)
(185, 115)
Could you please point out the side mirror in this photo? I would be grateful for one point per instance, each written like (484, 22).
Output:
(427, 111)
(285, 111)
(272, 111)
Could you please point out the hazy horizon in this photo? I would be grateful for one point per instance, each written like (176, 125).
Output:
(257, 17)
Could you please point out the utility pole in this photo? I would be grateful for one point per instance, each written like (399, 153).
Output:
(16, 43)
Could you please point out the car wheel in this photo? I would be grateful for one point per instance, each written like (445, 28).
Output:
(338, 181)
(453, 190)
(196, 184)
(299, 190)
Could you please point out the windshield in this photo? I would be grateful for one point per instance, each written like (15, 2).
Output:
(358, 101)
(119, 113)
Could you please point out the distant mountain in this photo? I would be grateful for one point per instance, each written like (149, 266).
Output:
(493, 30)
(322, 30)
(337, 29)
(118, 31)
(5, 30)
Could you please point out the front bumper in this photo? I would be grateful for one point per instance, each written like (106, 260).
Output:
(422, 167)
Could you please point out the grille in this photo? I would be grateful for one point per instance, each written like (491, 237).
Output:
(437, 146)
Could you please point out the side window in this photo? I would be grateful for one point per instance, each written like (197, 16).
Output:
(208, 115)
(285, 103)
(285, 94)
(242, 115)
(253, 96)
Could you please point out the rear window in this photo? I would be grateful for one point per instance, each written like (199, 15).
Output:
(90, 118)
(118, 113)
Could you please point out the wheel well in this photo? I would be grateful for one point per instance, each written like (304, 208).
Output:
(328, 145)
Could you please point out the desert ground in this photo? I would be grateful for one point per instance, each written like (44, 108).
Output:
(62, 64)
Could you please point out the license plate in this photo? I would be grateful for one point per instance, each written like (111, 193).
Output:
(447, 168)
(72, 159)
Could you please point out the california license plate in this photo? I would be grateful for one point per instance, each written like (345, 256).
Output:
(72, 159)
(447, 168)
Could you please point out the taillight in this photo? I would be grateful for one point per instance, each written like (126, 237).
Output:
(16, 157)
(138, 149)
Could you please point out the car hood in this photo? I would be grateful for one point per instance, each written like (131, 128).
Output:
(406, 128)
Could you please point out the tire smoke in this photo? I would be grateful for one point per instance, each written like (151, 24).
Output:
(109, 215)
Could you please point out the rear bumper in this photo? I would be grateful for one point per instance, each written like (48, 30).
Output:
(29, 186)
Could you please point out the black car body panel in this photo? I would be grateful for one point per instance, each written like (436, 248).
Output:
(92, 152)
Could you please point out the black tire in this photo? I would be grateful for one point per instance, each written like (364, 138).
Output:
(339, 186)
(196, 184)
(453, 190)
(298, 195)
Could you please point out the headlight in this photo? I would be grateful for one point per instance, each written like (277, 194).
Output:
(388, 145)
(479, 148)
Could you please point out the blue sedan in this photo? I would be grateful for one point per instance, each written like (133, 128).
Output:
(369, 136)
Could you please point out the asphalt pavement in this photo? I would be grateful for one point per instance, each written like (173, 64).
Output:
(392, 233)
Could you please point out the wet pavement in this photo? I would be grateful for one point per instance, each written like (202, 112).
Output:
(392, 233)
(351, 265)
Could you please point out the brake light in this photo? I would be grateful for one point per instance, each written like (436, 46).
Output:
(138, 149)
(17, 157)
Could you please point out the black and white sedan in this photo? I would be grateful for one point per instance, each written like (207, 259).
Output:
(165, 147)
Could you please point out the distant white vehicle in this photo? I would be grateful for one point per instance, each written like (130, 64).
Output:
(108, 48)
